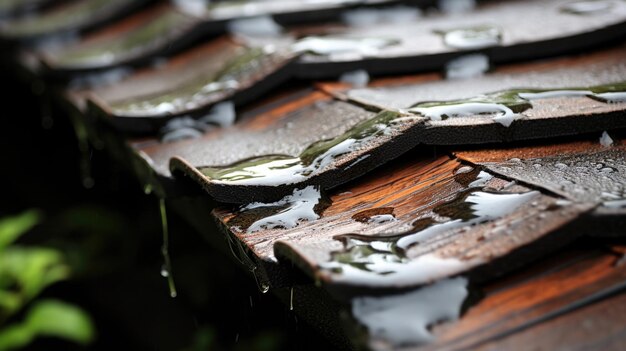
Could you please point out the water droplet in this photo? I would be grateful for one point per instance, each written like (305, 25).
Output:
(606, 140)
(282, 169)
(301, 206)
(375, 215)
(340, 47)
(608, 170)
(468, 66)
(464, 169)
(437, 112)
(167, 266)
(358, 78)
(472, 38)
(590, 7)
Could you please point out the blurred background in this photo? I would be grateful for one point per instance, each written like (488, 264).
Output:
(81, 268)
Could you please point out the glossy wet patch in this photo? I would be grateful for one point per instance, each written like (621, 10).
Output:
(472, 38)
(467, 66)
(302, 205)
(502, 31)
(381, 259)
(448, 219)
(591, 7)
(594, 175)
(217, 71)
(281, 170)
(380, 215)
(338, 46)
(194, 93)
(405, 319)
(506, 105)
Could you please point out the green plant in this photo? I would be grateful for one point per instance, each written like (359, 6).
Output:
(24, 273)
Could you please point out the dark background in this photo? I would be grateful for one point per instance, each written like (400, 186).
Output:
(111, 235)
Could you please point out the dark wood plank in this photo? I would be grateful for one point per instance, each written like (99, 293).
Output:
(420, 45)
(581, 171)
(386, 136)
(191, 84)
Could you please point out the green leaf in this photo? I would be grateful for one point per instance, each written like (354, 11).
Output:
(15, 336)
(49, 318)
(26, 272)
(59, 319)
(12, 228)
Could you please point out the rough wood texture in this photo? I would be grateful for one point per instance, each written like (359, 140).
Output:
(429, 201)
(582, 171)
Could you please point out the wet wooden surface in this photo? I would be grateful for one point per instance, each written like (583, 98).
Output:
(596, 327)
(581, 172)
(421, 45)
(535, 298)
(147, 99)
(575, 114)
(429, 214)
(165, 30)
(424, 196)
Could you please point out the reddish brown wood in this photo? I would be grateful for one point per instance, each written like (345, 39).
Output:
(413, 189)
(533, 297)
(600, 326)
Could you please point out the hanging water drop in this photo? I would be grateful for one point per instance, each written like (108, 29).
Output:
(167, 266)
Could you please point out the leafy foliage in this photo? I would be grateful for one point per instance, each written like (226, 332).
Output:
(24, 273)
